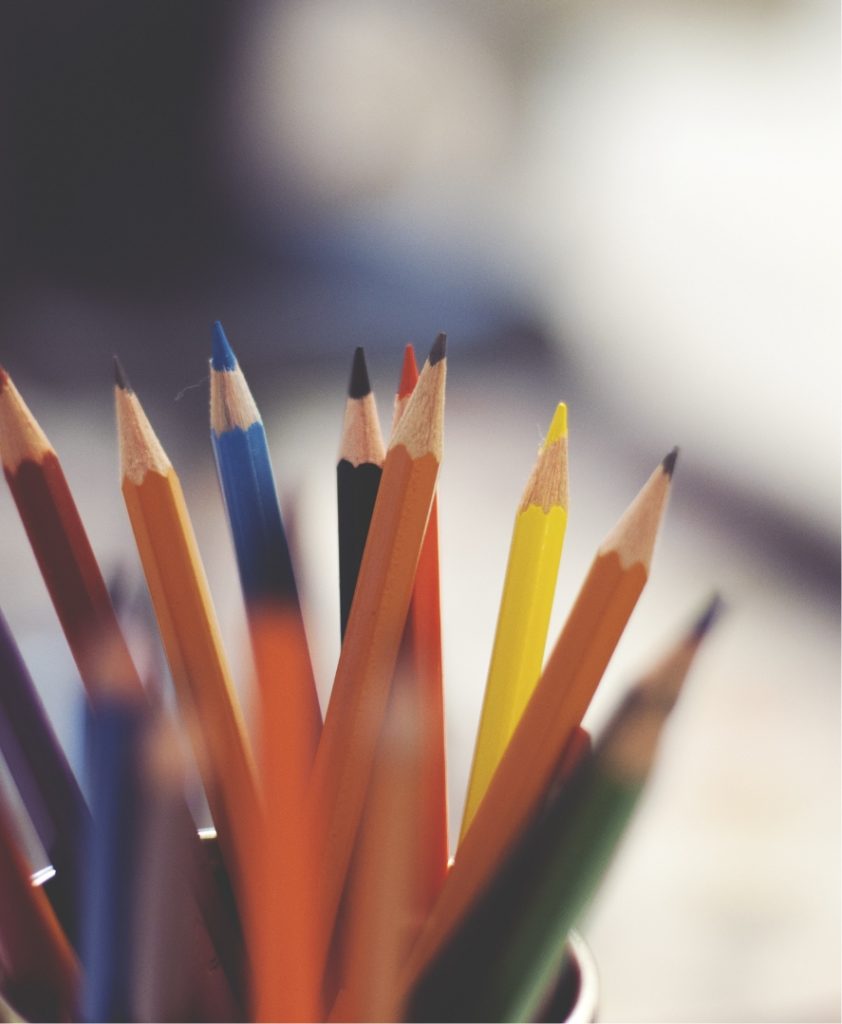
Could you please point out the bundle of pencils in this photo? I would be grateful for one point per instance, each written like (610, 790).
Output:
(325, 889)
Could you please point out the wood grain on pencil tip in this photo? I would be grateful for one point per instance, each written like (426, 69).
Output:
(377, 617)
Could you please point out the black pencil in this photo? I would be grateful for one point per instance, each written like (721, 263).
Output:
(358, 472)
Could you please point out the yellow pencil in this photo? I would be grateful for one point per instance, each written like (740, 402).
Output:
(189, 630)
(525, 607)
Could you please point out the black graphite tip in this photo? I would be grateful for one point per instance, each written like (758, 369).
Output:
(439, 349)
(711, 613)
(120, 378)
(359, 385)
(669, 462)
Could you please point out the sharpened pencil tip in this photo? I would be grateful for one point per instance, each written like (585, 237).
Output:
(120, 378)
(669, 462)
(409, 372)
(712, 611)
(558, 425)
(359, 385)
(439, 349)
(222, 357)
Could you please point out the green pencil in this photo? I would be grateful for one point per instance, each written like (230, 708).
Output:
(501, 963)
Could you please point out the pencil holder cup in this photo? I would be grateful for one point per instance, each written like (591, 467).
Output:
(574, 997)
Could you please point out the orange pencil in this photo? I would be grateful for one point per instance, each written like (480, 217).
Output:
(376, 623)
(408, 788)
(381, 916)
(189, 629)
(570, 677)
(282, 909)
(424, 644)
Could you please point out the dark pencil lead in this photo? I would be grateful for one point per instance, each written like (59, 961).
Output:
(222, 356)
(120, 378)
(439, 349)
(711, 613)
(359, 385)
(669, 462)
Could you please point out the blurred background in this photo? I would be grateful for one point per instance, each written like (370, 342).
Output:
(630, 206)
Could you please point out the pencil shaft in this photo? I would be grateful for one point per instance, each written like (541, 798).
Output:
(109, 886)
(283, 902)
(525, 607)
(348, 745)
(356, 491)
(70, 570)
(40, 971)
(251, 501)
(190, 634)
(43, 778)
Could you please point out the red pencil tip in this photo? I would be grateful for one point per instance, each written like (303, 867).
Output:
(409, 372)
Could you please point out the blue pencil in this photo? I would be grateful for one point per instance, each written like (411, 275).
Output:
(247, 482)
(113, 736)
(43, 778)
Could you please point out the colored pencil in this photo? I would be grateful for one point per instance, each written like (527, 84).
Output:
(251, 501)
(590, 634)
(60, 545)
(358, 472)
(114, 730)
(343, 764)
(500, 963)
(423, 639)
(39, 974)
(189, 629)
(525, 607)
(177, 974)
(408, 787)
(282, 915)
(382, 914)
(44, 779)
(162, 979)
(247, 482)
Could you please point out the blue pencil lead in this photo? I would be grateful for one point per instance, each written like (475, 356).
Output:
(222, 357)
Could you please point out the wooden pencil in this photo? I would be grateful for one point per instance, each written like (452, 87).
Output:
(79, 592)
(189, 630)
(254, 515)
(590, 634)
(407, 787)
(358, 472)
(44, 779)
(423, 641)
(113, 735)
(381, 915)
(525, 607)
(247, 482)
(282, 906)
(553, 872)
(369, 651)
(39, 971)
(60, 545)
